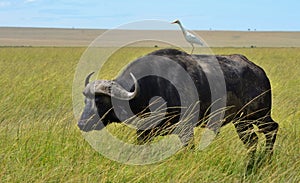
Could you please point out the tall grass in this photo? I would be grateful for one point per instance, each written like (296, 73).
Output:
(39, 140)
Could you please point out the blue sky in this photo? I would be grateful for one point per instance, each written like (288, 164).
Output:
(267, 15)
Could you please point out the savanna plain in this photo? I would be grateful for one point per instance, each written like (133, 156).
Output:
(40, 142)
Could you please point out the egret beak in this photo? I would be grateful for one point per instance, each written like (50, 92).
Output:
(175, 22)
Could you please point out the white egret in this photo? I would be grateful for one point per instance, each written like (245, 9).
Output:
(189, 37)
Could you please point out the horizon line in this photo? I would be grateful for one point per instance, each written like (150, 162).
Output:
(81, 28)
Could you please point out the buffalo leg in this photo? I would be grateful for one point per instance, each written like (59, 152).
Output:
(186, 136)
(246, 133)
(269, 128)
(144, 136)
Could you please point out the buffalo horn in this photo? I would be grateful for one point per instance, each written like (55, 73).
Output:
(114, 90)
(122, 94)
(87, 79)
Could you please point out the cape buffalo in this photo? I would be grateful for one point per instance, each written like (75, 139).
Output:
(247, 95)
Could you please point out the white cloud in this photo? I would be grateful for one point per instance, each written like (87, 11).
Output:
(4, 4)
(30, 1)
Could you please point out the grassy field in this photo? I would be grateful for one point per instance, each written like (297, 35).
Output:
(40, 142)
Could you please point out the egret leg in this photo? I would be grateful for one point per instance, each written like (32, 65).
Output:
(192, 49)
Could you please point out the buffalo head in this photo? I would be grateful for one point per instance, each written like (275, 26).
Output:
(98, 110)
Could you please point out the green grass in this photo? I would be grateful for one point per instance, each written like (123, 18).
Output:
(40, 142)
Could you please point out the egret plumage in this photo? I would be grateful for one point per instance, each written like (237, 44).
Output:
(189, 37)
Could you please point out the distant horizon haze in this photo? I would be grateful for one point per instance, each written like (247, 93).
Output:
(10, 36)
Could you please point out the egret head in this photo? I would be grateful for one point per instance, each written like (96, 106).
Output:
(176, 22)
